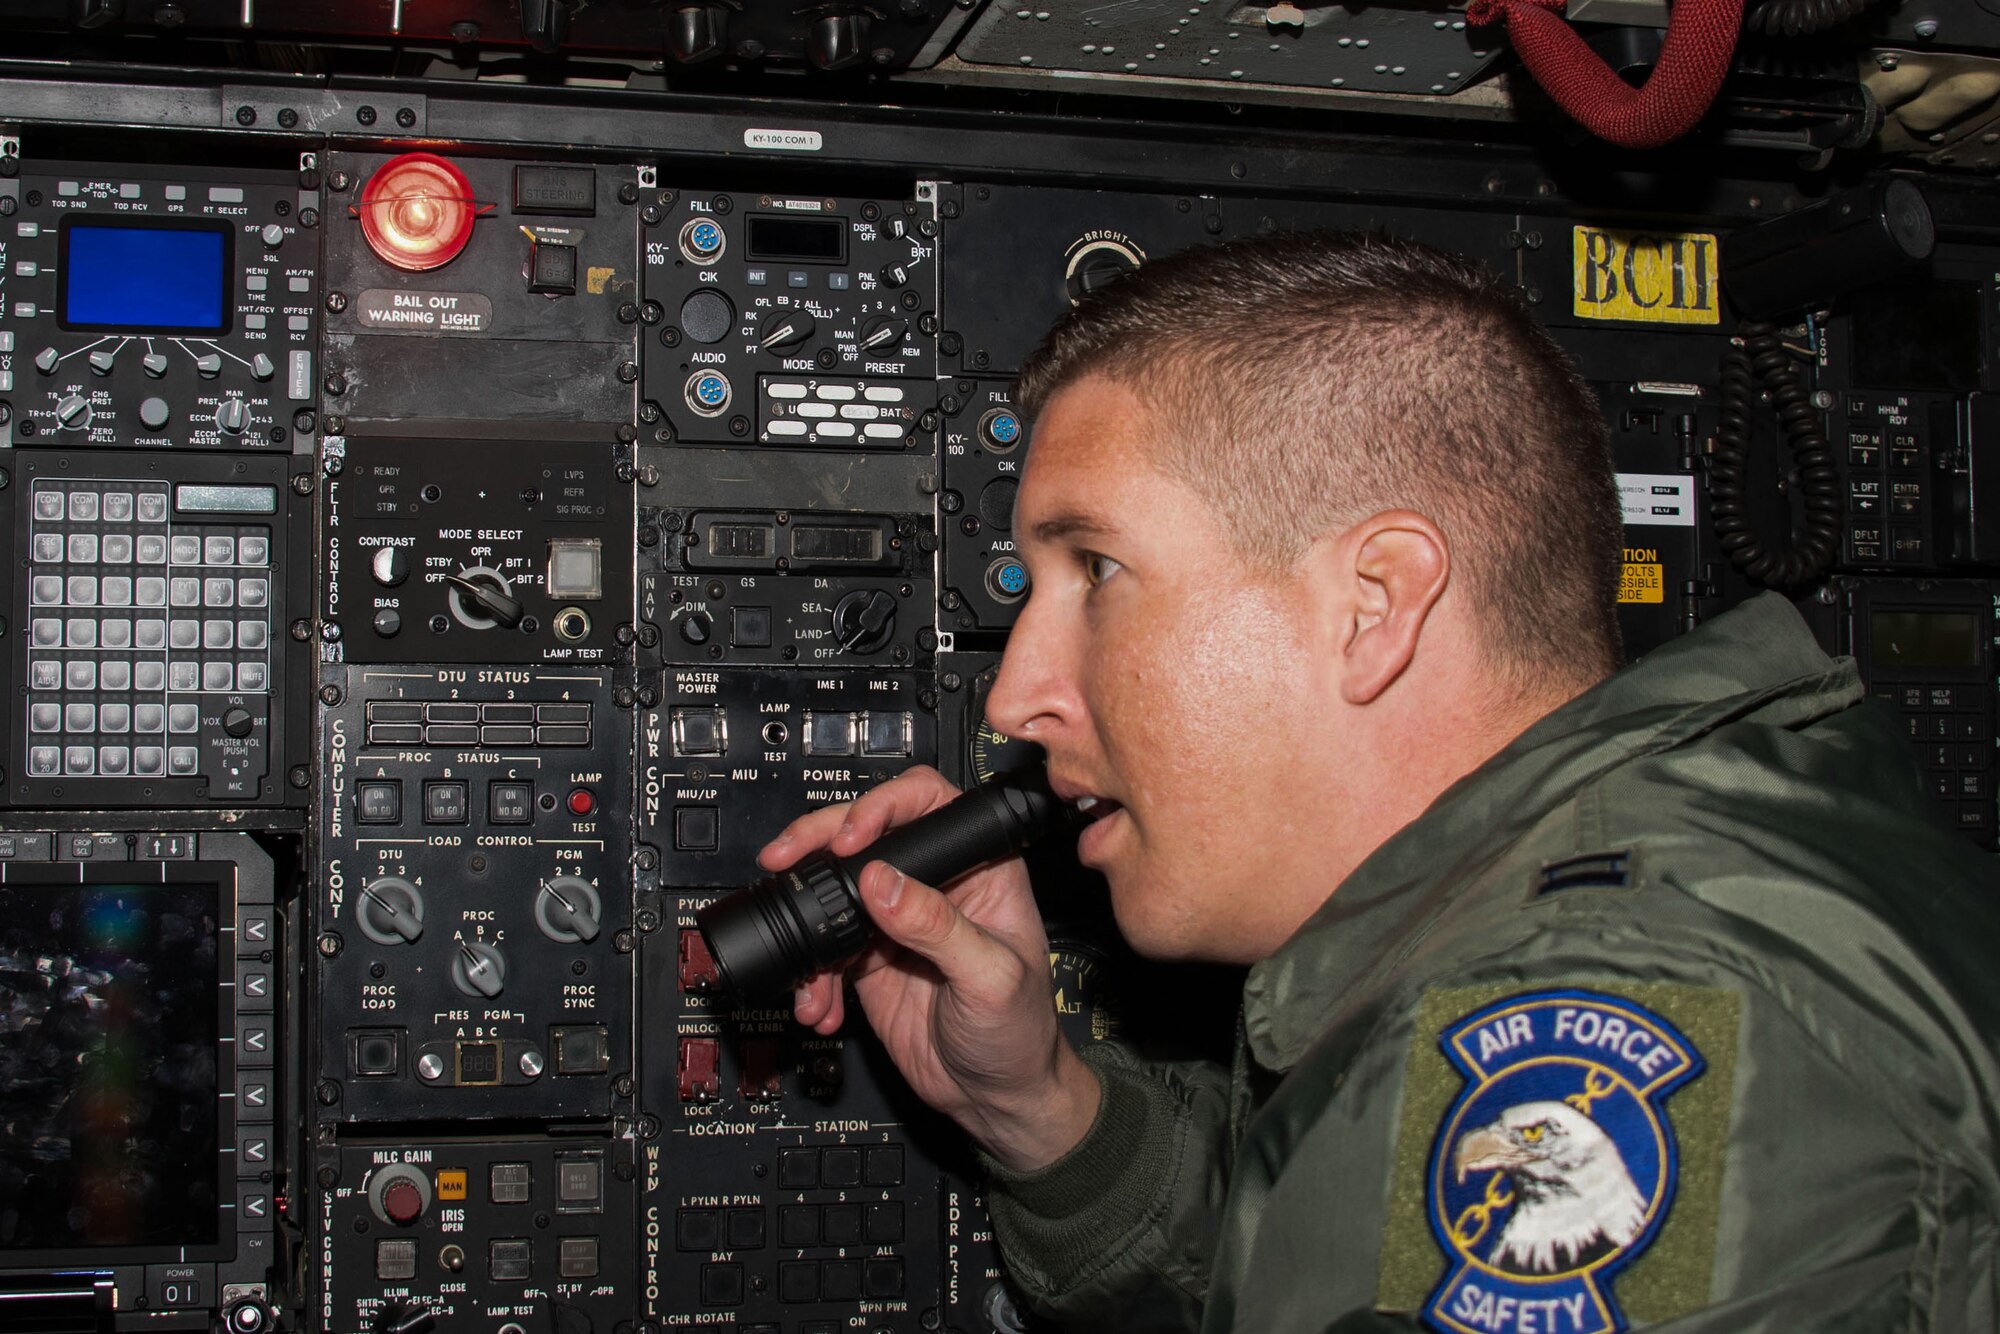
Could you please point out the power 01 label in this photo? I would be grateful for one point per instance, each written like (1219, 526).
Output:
(1651, 277)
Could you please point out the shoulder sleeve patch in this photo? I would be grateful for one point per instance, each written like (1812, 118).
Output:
(1553, 1142)
(1593, 870)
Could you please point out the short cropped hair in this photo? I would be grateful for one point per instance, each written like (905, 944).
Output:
(1311, 380)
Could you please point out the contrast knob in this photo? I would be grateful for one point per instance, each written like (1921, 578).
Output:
(391, 911)
(478, 969)
(390, 566)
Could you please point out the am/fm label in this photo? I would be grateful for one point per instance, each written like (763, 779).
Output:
(1654, 277)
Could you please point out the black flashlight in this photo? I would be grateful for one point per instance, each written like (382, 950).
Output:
(773, 935)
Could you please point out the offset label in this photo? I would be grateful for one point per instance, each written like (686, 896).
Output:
(1665, 499)
(1643, 578)
(789, 141)
(424, 312)
(1654, 277)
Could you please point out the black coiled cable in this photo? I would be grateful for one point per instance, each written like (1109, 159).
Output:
(1800, 18)
(1757, 357)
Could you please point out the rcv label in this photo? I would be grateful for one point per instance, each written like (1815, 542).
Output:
(424, 312)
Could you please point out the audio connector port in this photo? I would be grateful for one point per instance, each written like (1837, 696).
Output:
(708, 393)
(1007, 580)
(572, 625)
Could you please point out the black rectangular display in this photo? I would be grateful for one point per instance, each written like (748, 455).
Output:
(1923, 639)
(812, 240)
(151, 277)
(110, 1026)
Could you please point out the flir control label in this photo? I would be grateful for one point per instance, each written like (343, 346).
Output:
(1665, 499)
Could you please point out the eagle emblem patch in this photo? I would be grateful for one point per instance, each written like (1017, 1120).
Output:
(1556, 1164)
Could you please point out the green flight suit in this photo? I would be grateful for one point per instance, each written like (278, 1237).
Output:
(1725, 837)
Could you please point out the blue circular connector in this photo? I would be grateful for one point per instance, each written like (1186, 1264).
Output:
(1007, 579)
(708, 392)
(1000, 428)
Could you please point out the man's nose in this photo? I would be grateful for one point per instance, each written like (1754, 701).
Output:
(1035, 695)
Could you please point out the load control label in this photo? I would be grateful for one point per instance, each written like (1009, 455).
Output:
(423, 312)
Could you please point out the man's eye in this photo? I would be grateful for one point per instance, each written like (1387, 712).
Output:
(1097, 568)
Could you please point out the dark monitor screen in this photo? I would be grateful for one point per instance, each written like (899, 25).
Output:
(1924, 639)
(813, 240)
(135, 279)
(109, 1019)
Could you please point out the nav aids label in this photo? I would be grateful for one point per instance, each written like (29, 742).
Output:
(1666, 499)
(1654, 277)
(790, 141)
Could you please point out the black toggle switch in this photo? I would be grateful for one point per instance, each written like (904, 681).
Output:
(838, 40)
(697, 32)
(545, 24)
(552, 269)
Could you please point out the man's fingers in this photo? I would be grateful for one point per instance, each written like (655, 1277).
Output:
(818, 1003)
(845, 830)
(927, 923)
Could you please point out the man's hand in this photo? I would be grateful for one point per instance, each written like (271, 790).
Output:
(956, 985)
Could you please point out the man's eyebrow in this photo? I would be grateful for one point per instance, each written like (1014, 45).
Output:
(1070, 523)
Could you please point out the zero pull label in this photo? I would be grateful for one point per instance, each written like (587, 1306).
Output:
(1652, 277)
(424, 312)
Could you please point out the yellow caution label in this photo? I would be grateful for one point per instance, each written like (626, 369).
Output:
(595, 280)
(1655, 277)
(1642, 583)
(451, 1183)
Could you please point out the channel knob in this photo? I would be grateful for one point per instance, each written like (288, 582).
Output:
(155, 413)
(391, 911)
(231, 416)
(478, 969)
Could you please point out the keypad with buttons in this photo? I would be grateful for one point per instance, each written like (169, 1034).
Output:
(1951, 726)
(136, 614)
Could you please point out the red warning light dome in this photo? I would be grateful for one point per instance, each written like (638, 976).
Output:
(417, 211)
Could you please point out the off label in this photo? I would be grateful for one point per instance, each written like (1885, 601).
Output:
(1654, 277)
(424, 312)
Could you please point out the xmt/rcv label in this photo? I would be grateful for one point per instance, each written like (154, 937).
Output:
(423, 312)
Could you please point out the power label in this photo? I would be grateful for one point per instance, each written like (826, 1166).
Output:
(1653, 277)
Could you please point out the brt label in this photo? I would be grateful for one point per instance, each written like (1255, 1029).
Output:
(1655, 277)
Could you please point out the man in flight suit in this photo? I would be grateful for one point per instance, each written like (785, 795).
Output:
(1579, 999)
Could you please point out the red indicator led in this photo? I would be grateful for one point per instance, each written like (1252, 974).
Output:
(417, 211)
(582, 801)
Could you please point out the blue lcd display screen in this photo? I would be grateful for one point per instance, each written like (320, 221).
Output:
(126, 278)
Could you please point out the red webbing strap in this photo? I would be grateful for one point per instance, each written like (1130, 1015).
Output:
(1701, 38)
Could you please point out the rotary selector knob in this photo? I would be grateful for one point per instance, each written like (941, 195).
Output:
(47, 360)
(272, 236)
(696, 627)
(478, 969)
(73, 413)
(238, 721)
(864, 620)
(391, 911)
(1099, 264)
(154, 364)
(390, 566)
(208, 365)
(789, 330)
(263, 367)
(403, 1203)
(231, 416)
(481, 599)
(881, 331)
(569, 910)
(155, 413)
(102, 361)
(399, 1193)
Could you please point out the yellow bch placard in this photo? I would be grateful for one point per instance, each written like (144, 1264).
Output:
(1657, 277)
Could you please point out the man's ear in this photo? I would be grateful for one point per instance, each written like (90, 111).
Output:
(1387, 573)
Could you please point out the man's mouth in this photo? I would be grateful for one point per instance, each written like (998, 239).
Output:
(1097, 808)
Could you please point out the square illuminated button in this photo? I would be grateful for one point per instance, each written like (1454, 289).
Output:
(117, 548)
(829, 733)
(509, 1259)
(82, 632)
(118, 506)
(183, 761)
(396, 1259)
(579, 1180)
(152, 507)
(83, 548)
(509, 1183)
(184, 592)
(148, 761)
(576, 568)
(47, 590)
(750, 627)
(115, 590)
(187, 551)
(45, 632)
(218, 676)
(251, 676)
(220, 592)
(697, 828)
(81, 590)
(81, 675)
(149, 676)
(48, 505)
(45, 717)
(151, 718)
(578, 1257)
(150, 633)
(183, 718)
(45, 674)
(114, 676)
(45, 761)
(253, 592)
(253, 550)
(115, 633)
(114, 718)
(885, 733)
(83, 506)
(697, 731)
(251, 634)
(183, 676)
(218, 634)
(185, 634)
(48, 548)
(113, 761)
(80, 761)
(219, 551)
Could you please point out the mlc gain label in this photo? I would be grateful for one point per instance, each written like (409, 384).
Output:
(1655, 277)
